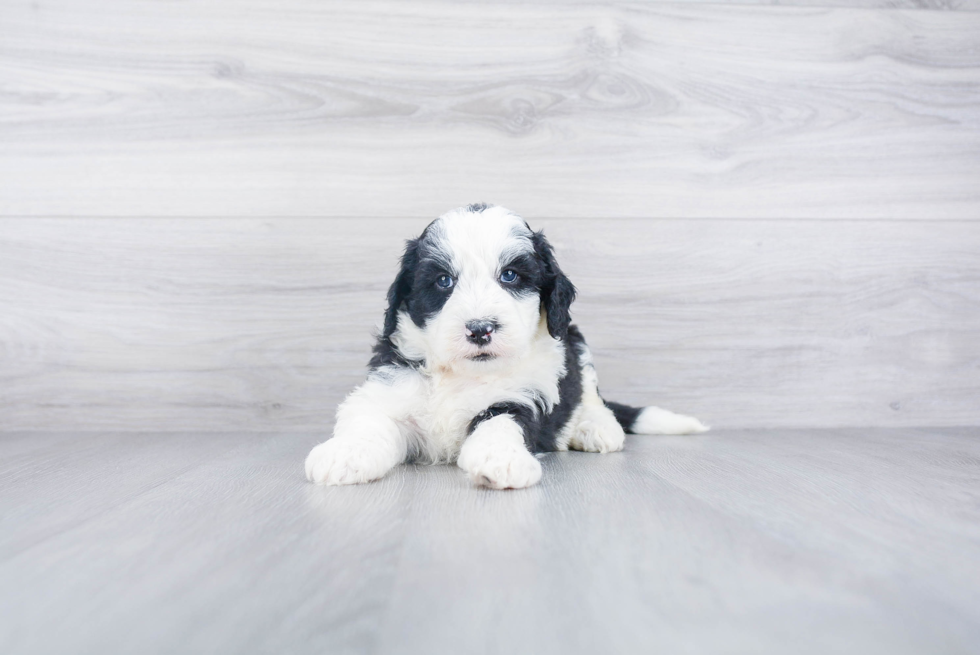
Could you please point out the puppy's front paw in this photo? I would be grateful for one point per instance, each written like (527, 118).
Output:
(500, 465)
(339, 461)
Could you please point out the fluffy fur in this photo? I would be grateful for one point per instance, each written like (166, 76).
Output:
(478, 363)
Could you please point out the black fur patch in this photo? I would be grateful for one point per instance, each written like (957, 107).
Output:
(415, 290)
(415, 285)
(541, 429)
(557, 291)
(426, 298)
(401, 287)
(530, 275)
(478, 207)
(625, 415)
(385, 354)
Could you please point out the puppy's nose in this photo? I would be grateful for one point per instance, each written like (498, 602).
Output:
(479, 332)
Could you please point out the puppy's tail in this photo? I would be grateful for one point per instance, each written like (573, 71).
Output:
(653, 420)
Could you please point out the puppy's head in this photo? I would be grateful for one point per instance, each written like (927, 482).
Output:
(475, 290)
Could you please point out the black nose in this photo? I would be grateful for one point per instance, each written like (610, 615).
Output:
(479, 332)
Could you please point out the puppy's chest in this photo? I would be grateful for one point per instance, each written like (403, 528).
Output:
(448, 403)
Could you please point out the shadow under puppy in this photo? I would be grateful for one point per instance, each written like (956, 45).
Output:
(478, 363)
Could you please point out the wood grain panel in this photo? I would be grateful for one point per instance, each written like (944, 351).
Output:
(804, 541)
(245, 324)
(927, 5)
(401, 109)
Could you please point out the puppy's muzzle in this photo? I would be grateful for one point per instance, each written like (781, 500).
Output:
(480, 332)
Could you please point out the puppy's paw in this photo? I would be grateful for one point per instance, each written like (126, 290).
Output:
(597, 432)
(499, 465)
(653, 420)
(340, 461)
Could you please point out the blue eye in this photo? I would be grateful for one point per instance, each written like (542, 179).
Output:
(508, 276)
(444, 282)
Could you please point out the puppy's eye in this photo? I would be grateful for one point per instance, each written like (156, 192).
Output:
(444, 282)
(508, 276)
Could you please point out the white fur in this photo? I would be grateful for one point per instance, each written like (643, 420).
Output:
(435, 405)
(367, 441)
(495, 456)
(653, 420)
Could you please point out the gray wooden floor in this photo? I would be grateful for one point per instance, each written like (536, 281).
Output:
(803, 541)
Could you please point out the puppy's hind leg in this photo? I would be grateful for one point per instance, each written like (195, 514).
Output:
(593, 427)
(366, 443)
(595, 430)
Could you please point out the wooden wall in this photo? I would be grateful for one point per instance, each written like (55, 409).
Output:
(771, 210)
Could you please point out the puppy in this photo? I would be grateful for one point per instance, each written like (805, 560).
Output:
(478, 363)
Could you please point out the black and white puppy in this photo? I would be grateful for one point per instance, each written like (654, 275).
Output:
(478, 363)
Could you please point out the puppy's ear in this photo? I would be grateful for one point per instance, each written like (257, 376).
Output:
(557, 291)
(402, 286)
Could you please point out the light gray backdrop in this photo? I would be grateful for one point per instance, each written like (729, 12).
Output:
(772, 212)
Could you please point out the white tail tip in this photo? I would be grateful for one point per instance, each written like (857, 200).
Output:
(653, 420)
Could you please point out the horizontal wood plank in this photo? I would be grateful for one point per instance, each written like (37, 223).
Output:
(245, 324)
(392, 109)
